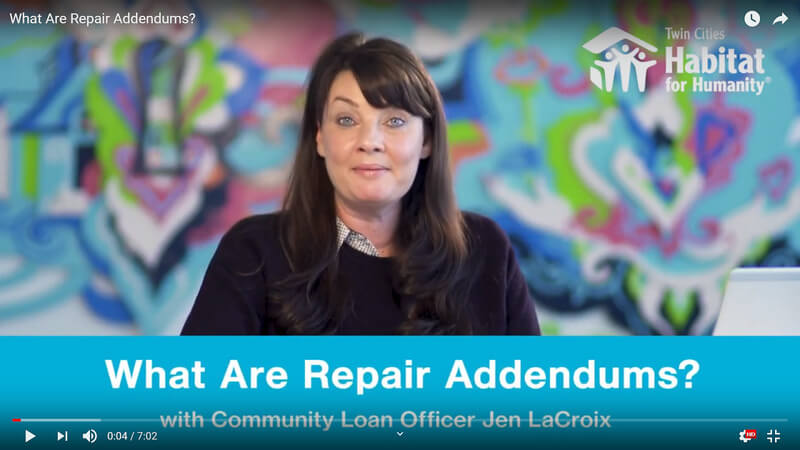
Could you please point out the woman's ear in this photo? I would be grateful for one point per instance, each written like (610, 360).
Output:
(320, 149)
(426, 150)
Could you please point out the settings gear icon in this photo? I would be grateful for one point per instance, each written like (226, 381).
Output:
(742, 438)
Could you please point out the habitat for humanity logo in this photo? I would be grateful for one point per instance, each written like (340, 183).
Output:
(717, 69)
(619, 57)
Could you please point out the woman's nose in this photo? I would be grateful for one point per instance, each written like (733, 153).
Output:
(371, 138)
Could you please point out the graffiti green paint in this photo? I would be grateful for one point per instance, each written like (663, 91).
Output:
(579, 249)
(518, 34)
(568, 181)
(208, 89)
(684, 158)
(30, 165)
(124, 47)
(678, 311)
(758, 250)
(526, 93)
(29, 42)
(462, 132)
(112, 130)
(633, 282)
(550, 328)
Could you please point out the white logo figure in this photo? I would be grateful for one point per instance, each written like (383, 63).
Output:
(624, 58)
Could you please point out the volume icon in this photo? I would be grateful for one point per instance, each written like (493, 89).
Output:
(90, 436)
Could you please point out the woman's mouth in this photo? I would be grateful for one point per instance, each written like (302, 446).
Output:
(370, 170)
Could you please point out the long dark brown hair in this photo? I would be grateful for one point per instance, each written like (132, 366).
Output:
(431, 244)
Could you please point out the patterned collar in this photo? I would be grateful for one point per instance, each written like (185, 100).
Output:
(354, 239)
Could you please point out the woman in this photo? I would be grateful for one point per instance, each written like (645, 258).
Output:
(369, 239)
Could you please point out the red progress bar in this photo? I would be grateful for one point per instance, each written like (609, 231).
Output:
(16, 420)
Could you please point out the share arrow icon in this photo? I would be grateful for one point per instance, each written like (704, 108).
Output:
(780, 19)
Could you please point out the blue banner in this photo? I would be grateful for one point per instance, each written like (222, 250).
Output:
(399, 392)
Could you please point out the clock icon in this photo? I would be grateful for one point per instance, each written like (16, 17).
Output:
(752, 18)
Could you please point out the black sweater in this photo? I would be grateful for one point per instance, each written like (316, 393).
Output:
(232, 296)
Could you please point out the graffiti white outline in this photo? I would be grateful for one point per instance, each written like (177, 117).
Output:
(42, 280)
(145, 235)
(580, 159)
(548, 211)
(633, 175)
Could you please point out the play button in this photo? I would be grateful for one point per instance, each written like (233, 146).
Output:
(29, 436)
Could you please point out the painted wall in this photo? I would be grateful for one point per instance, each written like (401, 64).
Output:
(126, 152)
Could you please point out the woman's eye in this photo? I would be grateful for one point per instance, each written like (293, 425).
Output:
(396, 122)
(345, 121)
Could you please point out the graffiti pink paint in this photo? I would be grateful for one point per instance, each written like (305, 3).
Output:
(281, 94)
(126, 105)
(193, 103)
(557, 76)
(463, 150)
(522, 67)
(776, 177)
(156, 195)
(91, 179)
(288, 34)
(717, 140)
(620, 230)
(612, 229)
(240, 197)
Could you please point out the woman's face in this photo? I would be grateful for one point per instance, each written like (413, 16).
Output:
(371, 154)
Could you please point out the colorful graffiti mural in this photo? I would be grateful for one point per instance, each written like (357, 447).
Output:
(126, 152)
